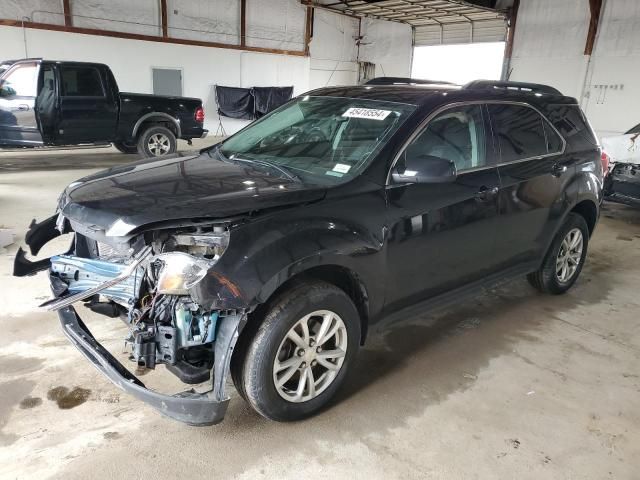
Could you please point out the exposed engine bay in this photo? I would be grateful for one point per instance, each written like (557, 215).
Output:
(146, 281)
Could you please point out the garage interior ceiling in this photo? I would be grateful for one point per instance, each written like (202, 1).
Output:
(436, 22)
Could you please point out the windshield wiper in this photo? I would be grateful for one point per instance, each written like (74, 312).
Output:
(214, 152)
(286, 172)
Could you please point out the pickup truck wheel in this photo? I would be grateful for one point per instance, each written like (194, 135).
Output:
(564, 260)
(128, 148)
(300, 354)
(157, 141)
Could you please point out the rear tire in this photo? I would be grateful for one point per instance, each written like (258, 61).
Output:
(126, 147)
(289, 376)
(157, 141)
(564, 260)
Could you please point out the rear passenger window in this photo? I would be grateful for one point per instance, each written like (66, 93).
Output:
(81, 82)
(519, 131)
(457, 134)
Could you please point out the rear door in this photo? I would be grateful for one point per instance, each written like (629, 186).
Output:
(47, 102)
(88, 109)
(18, 91)
(533, 174)
(443, 234)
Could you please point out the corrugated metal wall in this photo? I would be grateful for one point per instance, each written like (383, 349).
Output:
(462, 32)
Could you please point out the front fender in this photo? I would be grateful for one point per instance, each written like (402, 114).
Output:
(263, 257)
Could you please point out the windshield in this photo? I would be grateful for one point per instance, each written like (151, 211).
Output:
(323, 140)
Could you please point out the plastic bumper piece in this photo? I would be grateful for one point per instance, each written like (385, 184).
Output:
(189, 407)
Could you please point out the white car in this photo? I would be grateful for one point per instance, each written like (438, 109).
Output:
(623, 148)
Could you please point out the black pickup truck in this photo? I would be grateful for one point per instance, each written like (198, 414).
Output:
(52, 103)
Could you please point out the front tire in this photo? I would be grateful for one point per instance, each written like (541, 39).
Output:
(157, 141)
(564, 260)
(300, 355)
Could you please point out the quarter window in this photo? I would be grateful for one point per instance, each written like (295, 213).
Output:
(554, 142)
(572, 125)
(21, 82)
(519, 131)
(81, 82)
(457, 135)
(48, 80)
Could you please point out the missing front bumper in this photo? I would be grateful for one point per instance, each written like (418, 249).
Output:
(112, 275)
(189, 407)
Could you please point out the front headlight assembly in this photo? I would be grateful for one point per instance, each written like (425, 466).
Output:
(180, 271)
(188, 264)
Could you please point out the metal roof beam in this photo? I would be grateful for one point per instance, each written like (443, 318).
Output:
(415, 12)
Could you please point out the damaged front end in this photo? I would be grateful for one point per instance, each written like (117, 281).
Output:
(149, 280)
(622, 184)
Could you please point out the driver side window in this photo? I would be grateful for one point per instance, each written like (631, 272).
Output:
(457, 135)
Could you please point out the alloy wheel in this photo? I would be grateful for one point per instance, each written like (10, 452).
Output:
(158, 144)
(310, 356)
(569, 255)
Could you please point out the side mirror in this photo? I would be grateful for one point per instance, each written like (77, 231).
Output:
(425, 169)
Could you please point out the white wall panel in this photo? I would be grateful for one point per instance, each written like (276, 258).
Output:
(276, 24)
(40, 11)
(612, 93)
(203, 67)
(323, 73)
(334, 37)
(549, 43)
(204, 20)
(612, 96)
(333, 50)
(265, 70)
(549, 48)
(619, 33)
(551, 28)
(139, 16)
(388, 45)
(565, 74)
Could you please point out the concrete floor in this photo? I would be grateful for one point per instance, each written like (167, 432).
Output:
(510, 385)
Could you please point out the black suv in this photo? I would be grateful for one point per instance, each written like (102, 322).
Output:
(271, 254)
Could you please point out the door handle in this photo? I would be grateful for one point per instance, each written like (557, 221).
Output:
(558, 169)
(23, 107)
(485, 193)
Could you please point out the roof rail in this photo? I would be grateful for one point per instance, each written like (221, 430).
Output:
(521, 86)
(405, 81)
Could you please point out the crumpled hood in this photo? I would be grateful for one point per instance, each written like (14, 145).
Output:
(124, 198)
